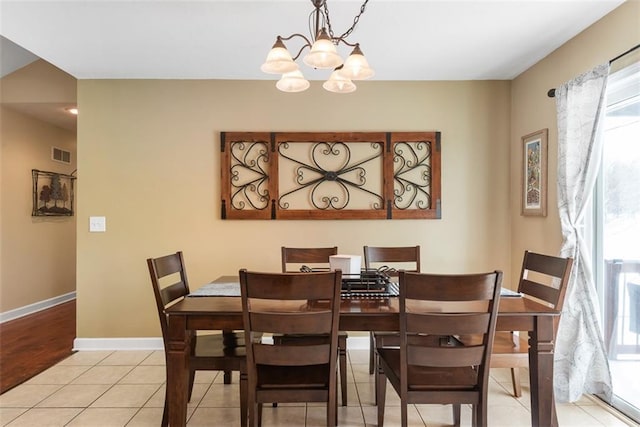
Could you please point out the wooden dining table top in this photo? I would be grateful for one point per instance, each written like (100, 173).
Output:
(354, 310)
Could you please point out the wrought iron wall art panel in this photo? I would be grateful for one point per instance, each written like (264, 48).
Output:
(321, 174)
(249, 175)
(305, 175)
(246, 171)
(416, 175)
(52, 193)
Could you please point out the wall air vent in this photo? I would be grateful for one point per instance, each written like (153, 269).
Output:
(60, 155)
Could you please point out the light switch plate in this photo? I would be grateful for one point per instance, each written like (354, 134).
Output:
(97, 224)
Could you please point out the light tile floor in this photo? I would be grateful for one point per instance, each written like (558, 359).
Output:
(126, 388)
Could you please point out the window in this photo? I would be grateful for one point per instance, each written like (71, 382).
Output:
(617, 235)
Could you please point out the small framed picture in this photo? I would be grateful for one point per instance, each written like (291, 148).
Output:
(52, 193)
(534, 173)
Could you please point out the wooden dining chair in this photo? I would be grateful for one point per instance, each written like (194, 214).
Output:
(390, 259)
(543, 278)
(317, 259)
(431, 366)
(212, 352)
(296, 371)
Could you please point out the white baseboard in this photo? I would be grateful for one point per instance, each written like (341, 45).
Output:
(95, 344)
(111, 344)
(36, 307)
(358, 343)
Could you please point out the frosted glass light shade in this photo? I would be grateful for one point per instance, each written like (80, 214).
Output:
(293, 81)
(356, 67)
(339, 84)
(278, 60)
(323, 53)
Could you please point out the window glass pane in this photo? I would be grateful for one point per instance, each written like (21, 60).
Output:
(619, 241)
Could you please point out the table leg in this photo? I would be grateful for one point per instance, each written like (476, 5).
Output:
(229, 342)
(177, 371)
(342, 359)
(543, 411)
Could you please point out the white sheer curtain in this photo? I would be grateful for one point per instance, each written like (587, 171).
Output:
(580, 357)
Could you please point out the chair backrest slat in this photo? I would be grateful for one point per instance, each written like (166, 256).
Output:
(290, 286)
(317, 322)
(453, 324)
(469, 288)
(409, 256)
(168, 264)
(317, 257)
(280, 355)
(173, 292)
(540, 291)
(546, 264)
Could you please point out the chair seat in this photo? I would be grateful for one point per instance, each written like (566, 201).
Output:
(506, 342)
(381, 339)
(279, 376)
(386, 339)
(210, 353)
(217, 345)
(386, 334)
(428, 377)
(290, 338)
(509, 351)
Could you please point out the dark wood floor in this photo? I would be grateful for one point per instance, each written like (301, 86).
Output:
(33, 343)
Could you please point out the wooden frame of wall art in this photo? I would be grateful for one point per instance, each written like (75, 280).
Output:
(534, 173)
(52, 193)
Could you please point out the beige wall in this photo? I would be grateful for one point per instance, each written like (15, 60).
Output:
(38, 258)
(149, 161)
(39, 83)
(532, 110)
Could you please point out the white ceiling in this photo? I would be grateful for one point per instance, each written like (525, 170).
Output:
(13, 57)
(223, 39)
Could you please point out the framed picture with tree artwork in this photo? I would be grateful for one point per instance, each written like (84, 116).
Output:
(52, 193)
(534, 173)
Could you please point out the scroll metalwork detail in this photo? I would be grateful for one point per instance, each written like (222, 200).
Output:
(412, 175)
(330, 175)
(249, 176)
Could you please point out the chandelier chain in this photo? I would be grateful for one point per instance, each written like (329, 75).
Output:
(350, 30)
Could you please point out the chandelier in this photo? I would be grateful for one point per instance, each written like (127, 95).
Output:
(322, 54)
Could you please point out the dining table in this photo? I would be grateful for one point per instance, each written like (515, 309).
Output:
(223, 311)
